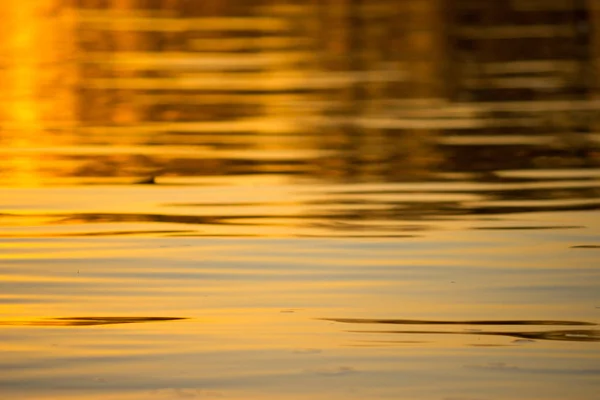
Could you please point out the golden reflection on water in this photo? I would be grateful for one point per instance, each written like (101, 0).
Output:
(324, 200)
(181, 91)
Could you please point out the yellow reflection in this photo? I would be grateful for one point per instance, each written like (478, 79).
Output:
(36, 77)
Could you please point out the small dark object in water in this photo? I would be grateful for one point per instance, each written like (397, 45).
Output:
(146, 181)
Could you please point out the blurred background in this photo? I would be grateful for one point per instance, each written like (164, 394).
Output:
(329, 91)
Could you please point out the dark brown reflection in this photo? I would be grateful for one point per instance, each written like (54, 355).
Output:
(88, 321)
(578, 335)
(103, 233)
(359, 217)
(525, 228)
(77, 218)
(564, 335)
(466, 322)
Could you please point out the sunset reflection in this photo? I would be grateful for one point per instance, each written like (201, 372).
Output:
(337, 199)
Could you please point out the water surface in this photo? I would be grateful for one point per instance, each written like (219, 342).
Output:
(226, 203)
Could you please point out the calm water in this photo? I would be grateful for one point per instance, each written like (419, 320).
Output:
(247, 215)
